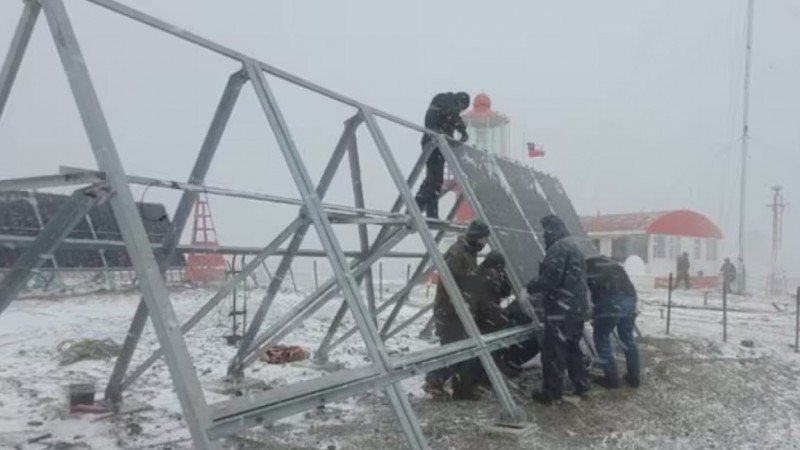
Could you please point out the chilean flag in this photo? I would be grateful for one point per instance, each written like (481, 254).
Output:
(534, 151)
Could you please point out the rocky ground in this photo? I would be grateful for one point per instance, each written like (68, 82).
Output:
(698, 392)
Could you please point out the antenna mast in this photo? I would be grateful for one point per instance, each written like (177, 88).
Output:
(745, 138)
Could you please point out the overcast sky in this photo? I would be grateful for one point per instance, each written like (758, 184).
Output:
(637, 102)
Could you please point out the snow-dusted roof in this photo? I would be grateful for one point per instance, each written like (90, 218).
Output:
(676, 223)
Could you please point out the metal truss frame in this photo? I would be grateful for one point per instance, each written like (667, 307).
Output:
(110, 182)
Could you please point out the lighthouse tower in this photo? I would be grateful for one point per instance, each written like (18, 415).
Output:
(488, 131)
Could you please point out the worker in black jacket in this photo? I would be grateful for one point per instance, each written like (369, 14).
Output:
(614, 298)
(561, 284)
(443, 116)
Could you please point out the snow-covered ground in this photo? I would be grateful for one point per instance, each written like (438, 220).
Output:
(698, 391)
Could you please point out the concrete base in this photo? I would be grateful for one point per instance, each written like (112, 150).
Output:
(508, 430)
(122, 409)
(230, 386)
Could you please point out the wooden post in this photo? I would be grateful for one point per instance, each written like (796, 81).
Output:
(669, 302)
(705, 298)
(316, 276)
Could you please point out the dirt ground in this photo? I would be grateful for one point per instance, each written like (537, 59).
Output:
(692, 397)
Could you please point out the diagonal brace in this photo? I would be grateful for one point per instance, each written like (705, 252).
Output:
(49, 238)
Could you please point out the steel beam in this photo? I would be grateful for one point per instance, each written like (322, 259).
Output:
(321, 354)
(415, 280)
(330, 243)
(246, 412)
(512, 412)
(86, 244)
(363, 235)
(224, 291)
(317, 299)
(186, 383)
(197, 188)
(236, 365)
(48, 239)
(325, 346)
(50, 181)
(421, 312)
(373, 255)
(19, 43)
(420, 267)
(184, 209)
(186, 35)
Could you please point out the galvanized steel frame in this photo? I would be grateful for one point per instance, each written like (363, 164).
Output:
(205, 422)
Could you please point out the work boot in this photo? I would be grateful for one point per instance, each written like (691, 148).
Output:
(633, 381)
(544, 397)
(609, 381)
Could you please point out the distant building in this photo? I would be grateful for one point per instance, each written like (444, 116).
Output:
(658, 238)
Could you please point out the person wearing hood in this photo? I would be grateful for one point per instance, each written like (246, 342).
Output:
(462, 260)
(443, 116)
(614, 298)
(561, 285)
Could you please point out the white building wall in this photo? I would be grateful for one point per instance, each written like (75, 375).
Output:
(706, 260)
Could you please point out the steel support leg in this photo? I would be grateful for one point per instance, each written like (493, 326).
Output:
(422, 264)
(397, 299)
(311, 304)
(321, 355)
(363, 235)
(512, 412)
(415, 280)
(285, 266)
(378, 249)
(181, 217)
(336, 256)
(16, 51)
(151, 283)
(48, 240)
(226, 290)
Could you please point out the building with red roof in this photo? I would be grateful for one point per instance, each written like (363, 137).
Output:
(658, 238)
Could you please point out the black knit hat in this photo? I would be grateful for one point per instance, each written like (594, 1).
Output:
(477, 230)
(494, 259)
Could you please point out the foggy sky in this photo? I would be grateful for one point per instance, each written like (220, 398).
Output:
(636, 102)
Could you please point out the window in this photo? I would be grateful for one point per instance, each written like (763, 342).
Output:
(711, 250)
(659, 247)
(698, 249)
(674, 247)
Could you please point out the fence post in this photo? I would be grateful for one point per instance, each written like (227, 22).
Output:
(797, 323)
(724, 312)
(669, 302)
(705, 298)
(408, 273)
(316, 276)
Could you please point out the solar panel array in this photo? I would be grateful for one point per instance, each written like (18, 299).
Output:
(514, 198)
(23, 213)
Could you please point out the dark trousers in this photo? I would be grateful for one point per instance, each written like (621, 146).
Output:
(683, 276)
(561, 350)
(463, 374)
(428, 194)
(617, 312)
